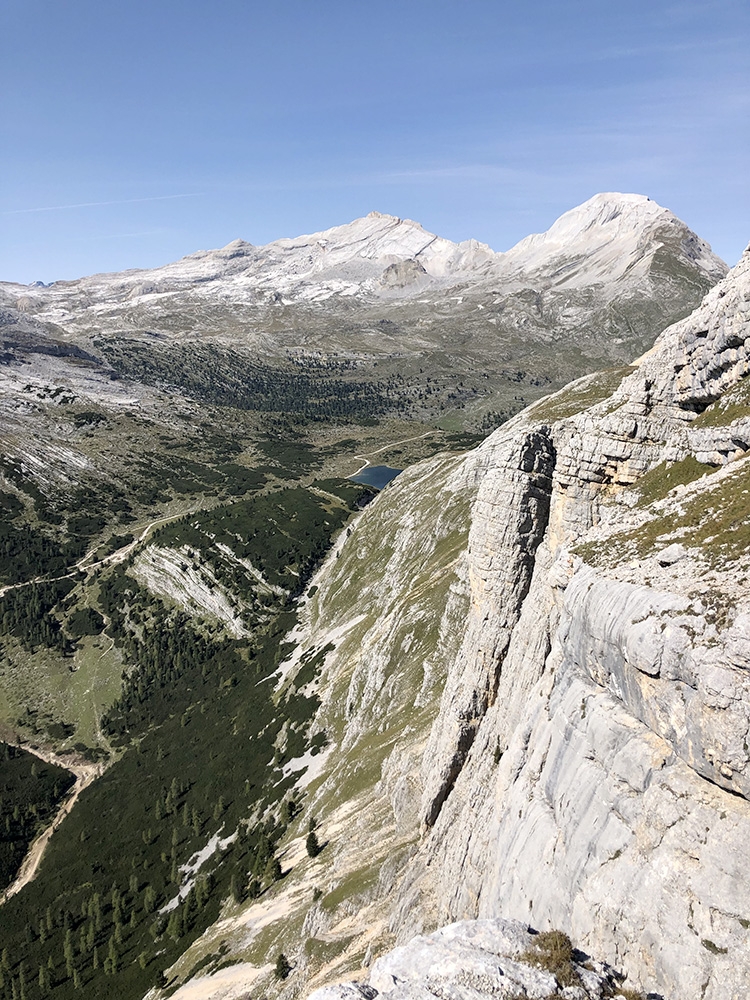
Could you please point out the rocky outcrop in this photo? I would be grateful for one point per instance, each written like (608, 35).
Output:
(174, 574)
(523, 474)
(476, 959)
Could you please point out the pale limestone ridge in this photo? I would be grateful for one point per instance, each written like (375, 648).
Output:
(612, 231)
(592, 797)
(472, 960)
(609, 239)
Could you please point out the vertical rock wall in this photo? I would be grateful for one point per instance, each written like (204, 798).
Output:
(603, 786)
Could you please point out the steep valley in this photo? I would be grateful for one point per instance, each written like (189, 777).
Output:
(510, 685)
(577, 759)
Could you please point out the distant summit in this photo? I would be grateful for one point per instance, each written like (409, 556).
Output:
(395, 300)
(606, 238)
(613, 233)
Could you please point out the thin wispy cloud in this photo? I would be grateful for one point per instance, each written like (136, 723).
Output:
(98, 204)
(126, 236)
(659, 48)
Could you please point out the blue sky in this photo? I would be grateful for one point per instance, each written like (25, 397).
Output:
(134, 133)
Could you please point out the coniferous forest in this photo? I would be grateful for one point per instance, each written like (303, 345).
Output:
(197, 756)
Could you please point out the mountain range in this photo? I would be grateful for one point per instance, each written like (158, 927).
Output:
(389, 300)
(318, 721)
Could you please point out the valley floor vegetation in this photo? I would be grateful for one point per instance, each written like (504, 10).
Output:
(195, 797)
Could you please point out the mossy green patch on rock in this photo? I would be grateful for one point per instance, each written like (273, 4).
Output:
(579, 396)
(714, 519)
(659, 481)
(733, 405)
(356, 885)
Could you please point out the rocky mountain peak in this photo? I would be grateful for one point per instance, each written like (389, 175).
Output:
(611, 239)
(613, 233)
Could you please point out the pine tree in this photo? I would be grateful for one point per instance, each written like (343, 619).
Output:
(112, 956)
(174, 927)
(289, 810)
(97, 908)
(283, 966)
(312, 844)
(68, 951)
(236, 890)
(273, 869)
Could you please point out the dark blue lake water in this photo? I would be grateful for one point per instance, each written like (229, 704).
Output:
(376, 475)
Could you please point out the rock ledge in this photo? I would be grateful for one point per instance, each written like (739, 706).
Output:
(473, 960)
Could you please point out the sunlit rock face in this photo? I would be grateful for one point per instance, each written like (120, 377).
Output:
(477, 959)
(587, 765)
(533, 674)
(606, 787)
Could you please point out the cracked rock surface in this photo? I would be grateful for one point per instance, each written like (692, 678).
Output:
(606, 789)
(472, 960)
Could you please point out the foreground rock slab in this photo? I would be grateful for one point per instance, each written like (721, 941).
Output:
(471, 960)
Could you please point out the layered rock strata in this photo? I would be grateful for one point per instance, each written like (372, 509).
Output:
(606, 791)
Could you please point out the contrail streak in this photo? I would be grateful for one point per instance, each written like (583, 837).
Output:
(96, 204)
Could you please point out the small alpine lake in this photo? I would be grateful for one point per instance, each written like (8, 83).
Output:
(376, 475)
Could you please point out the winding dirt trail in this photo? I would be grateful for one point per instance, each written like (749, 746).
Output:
(85, 773)
(114, 557)
(385, 447)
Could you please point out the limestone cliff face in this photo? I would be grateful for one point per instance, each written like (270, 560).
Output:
(534, 673)
(606, 789)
